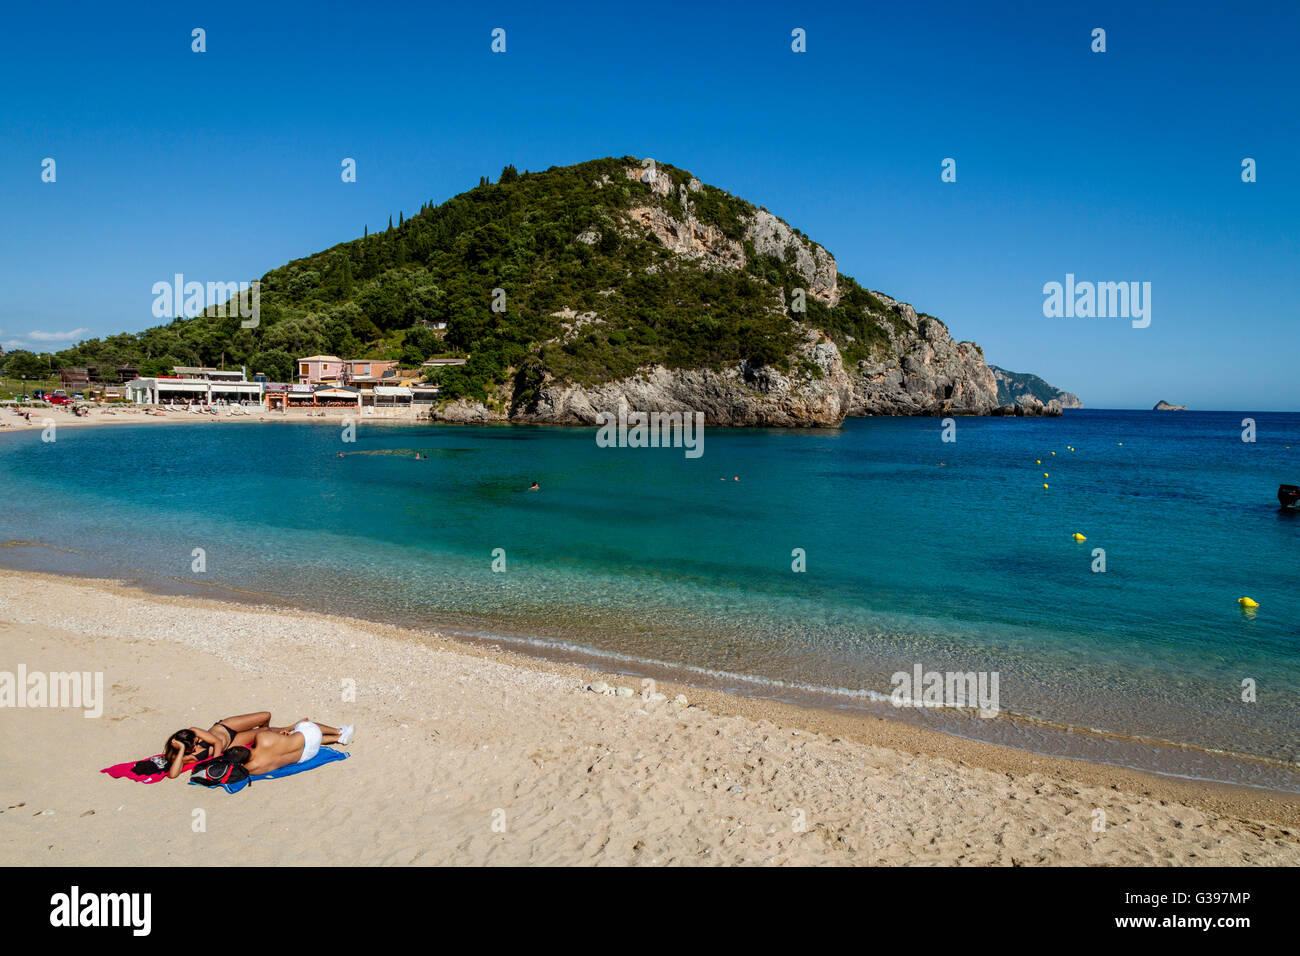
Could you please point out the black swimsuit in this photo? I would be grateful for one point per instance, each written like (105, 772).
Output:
(203, 754)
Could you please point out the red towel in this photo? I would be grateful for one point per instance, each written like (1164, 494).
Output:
(124, 770)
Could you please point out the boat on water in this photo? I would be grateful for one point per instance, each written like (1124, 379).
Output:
(1288, 496)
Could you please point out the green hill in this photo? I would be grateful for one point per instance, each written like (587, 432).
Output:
(553, 241)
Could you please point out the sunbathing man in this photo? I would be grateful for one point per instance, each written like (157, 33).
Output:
(273, 748)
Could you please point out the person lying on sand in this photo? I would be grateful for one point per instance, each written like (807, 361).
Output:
(272, 748)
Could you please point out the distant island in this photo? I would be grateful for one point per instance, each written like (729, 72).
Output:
(1163, 406)
(581, 288)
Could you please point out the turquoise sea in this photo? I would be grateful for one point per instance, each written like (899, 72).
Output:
(652, 563)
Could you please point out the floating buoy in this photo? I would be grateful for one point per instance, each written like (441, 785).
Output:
(1053, 453)
(1079, 537)
(1038, 461)
(1044, 484)
(1046, 475)
(1247, 602)
(1119, 443)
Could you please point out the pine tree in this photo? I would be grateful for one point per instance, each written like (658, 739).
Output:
(400, 218)
(390, 223)
(367, 233)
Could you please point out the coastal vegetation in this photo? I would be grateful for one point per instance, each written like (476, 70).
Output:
(587, 297)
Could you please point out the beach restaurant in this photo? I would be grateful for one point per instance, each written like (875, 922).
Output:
(392, 396)
(337, 396)
(229, 388)
(314, 396)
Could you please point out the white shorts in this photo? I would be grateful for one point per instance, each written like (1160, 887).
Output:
(311, 736)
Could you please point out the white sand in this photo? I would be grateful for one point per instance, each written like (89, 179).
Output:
(453, 739)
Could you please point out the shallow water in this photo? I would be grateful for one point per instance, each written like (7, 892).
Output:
(655, 563)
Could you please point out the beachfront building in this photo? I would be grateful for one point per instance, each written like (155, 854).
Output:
(424, 394)
(392, 396)
(332, 370)
(195, 386)
(337, 396)
(211, 374)
(315, 369)
(300, 396)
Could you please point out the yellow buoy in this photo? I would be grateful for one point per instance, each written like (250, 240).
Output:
(1044, 484)
(1053, 453)
(1247, 602)
(1046, 475)
(1038, 461)
(1079, 537)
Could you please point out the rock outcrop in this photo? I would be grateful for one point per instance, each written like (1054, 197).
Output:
(1163, 406)
(1014, 387)
(927, 373)
(739, 395)
(771, 236)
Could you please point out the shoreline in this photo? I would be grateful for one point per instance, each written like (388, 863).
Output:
(554, 652)
(112, 616)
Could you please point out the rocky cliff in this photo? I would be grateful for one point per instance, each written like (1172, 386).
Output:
(912, 365)
(1016, 387)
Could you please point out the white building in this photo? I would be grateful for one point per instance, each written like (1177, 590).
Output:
(201, 386)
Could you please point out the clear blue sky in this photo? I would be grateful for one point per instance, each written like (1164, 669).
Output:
(1117, 166)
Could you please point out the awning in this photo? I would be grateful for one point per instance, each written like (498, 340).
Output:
(395, 391)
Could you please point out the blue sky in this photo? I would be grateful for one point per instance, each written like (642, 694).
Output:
(1122, 166)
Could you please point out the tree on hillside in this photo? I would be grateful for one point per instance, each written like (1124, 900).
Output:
(22, 362)
(275, 364)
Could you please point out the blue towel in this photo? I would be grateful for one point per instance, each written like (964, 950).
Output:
(323, 756)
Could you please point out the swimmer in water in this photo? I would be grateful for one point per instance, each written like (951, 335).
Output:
(533, 487)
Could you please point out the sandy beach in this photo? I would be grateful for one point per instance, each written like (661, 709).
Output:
(474, 755)
(42, 416)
